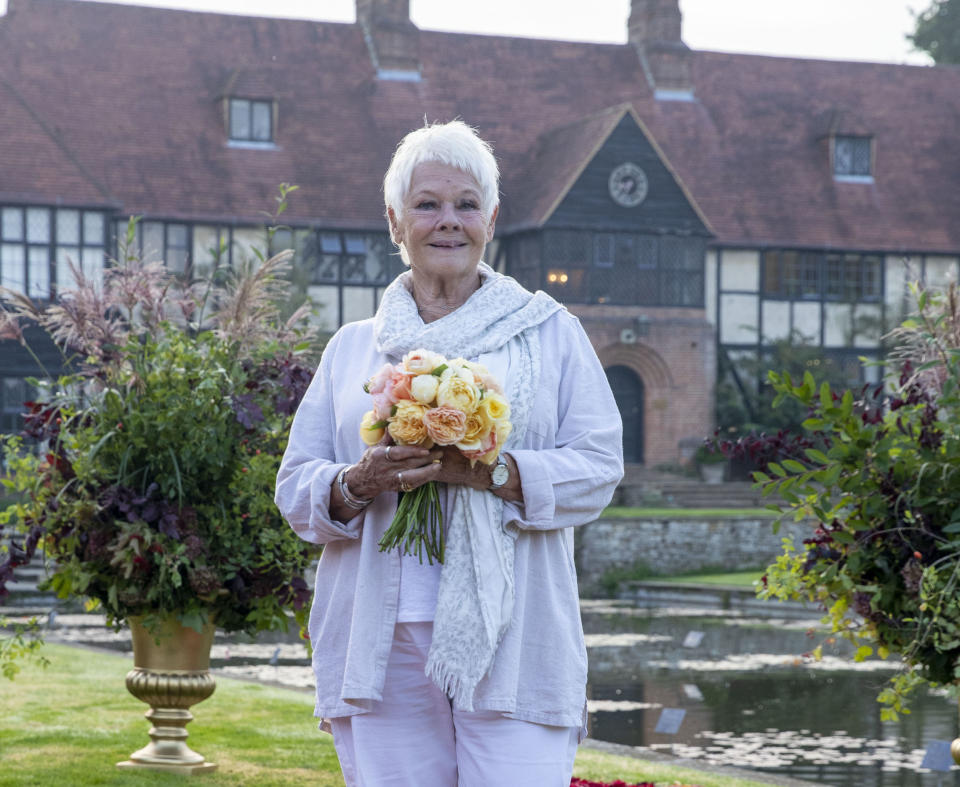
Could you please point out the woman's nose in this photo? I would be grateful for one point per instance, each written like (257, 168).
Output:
(448, 217)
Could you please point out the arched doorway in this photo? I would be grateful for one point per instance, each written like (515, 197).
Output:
(628, 392)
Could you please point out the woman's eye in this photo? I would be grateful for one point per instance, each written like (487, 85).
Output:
(426, 205)
(469, 205)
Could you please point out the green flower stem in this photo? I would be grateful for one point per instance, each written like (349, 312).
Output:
(417, 525)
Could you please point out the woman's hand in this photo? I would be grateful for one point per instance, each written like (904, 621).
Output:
(456, 469)
(387, 467)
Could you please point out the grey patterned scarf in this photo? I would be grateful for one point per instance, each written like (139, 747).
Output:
(475, 599)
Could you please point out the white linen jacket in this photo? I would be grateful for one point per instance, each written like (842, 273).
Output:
(570, 462)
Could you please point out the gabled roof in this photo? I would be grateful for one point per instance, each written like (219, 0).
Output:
(559, 158)
(134, 96)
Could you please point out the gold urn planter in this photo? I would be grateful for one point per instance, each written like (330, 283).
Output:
(171, 672)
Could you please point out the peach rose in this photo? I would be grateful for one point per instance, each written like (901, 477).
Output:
(457, 392)
(423, 388)
(421, 361)
(489, 383)
(369, 434)
(400, 386)
(382, 405)
(445, 425)
(406, 427)
(378, 382)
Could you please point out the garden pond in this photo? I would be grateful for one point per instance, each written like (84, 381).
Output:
(704, 682)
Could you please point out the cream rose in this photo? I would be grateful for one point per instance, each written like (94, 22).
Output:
(445, 425)
(370, 435)
(406, 426)
(421, 361)
(457, 392)
(423, 388)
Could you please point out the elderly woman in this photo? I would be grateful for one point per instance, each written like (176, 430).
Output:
(472, 672)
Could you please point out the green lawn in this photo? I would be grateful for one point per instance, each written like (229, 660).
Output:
(70, 723)
(628, 512)
(740, 579)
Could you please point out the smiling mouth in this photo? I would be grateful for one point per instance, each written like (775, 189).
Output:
(450, 245)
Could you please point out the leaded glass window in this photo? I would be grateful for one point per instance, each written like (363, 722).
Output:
(251, 120)
(852, 156)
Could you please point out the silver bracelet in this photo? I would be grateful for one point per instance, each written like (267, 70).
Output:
(355, 503)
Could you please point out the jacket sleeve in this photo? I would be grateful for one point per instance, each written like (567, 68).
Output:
(571, 482)
(309, 465)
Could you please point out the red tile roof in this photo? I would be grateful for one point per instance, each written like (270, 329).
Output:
(111, 104)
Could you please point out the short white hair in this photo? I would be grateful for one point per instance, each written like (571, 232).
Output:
(454, 143)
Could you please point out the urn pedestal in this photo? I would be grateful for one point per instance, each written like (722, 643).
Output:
(171, 673)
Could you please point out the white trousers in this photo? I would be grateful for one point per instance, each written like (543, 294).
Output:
(413, 738)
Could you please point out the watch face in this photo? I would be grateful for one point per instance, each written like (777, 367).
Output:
(628, 185)
(499, 475)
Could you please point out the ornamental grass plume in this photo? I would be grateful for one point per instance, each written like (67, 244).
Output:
(145, 472)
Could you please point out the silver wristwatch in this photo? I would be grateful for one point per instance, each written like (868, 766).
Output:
(500, 473)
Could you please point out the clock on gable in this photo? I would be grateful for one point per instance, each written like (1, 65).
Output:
(628, 185)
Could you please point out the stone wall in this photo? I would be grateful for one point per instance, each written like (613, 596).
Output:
(674, 546)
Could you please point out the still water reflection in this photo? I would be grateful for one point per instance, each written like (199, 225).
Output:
(750, 702)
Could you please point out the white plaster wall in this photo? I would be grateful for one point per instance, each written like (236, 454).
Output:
(245, 239)
(869, 328)
(738, 318)
(806, 320)
(776, 320)
(837, 327)
(710, 286)
(940, 271)
(740, 270)
(357, 303)
(899, 271)
(324, 297)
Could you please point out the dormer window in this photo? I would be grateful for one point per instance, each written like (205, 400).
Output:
(852, 158)
(251, 121)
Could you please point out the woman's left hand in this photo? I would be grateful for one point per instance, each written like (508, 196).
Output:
(456, 469)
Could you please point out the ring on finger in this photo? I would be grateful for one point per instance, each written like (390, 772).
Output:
(401, 483)
(387, 453)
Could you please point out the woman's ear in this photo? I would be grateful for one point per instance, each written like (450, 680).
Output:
(395, 234)
(491, 225)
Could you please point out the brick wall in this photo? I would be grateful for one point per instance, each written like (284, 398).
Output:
(675, 359)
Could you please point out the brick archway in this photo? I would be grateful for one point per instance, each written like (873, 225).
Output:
(644, 361)
(653, 382)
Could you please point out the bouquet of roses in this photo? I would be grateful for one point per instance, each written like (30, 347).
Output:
(427, 400)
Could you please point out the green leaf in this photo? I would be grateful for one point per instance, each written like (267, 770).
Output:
(439, 370)
(794, 466)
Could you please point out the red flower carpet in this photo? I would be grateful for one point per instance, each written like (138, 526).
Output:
(575, 782)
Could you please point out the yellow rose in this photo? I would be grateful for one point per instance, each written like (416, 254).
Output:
(369, 435)
(495, 406)
(502, 431)
(445, 425)
(423, 388)
(406, 427)
(457, 392)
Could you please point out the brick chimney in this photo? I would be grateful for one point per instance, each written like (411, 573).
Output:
(392, 39)
(654, 30)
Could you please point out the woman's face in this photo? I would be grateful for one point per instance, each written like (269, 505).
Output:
(443, 228)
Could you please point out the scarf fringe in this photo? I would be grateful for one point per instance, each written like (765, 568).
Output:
(456, 687)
